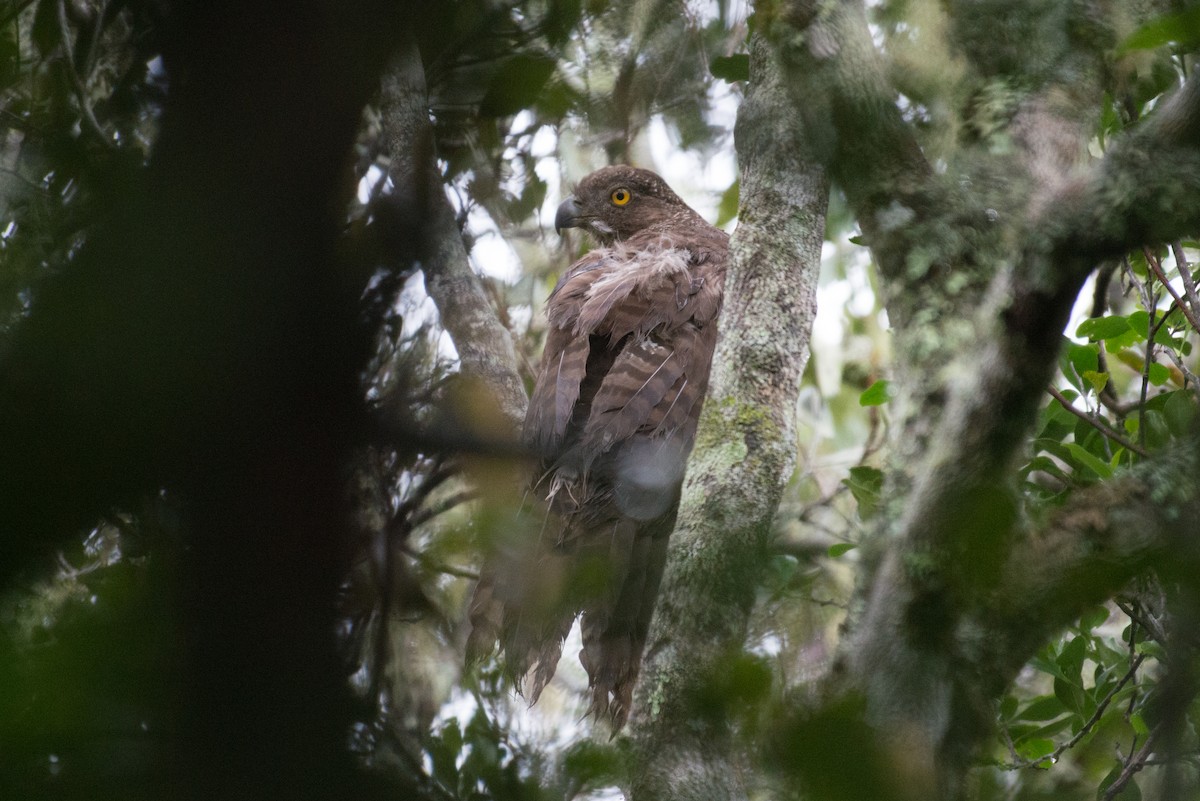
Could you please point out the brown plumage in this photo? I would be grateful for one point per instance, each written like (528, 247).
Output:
(632, 329)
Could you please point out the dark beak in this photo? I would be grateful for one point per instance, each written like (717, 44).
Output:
(567, 215)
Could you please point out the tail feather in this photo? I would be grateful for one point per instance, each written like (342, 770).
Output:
(529, 595)
(614, 633)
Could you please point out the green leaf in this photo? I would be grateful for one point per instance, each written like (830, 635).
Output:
(1071, 657)
(1098, 328)
(1045, 708)
(727, 209)
(1182, 28)
(1179, 411)
(517, 84)
(1083, 358)
(592, 764)
(1151, 649)
(875, 395)
(731, 68)
(865, 483)
(1045, 464)
(1096, 616)
(1044, 663)
(1033, 750)
(1070, 695)
(1057, 422)
(1097, 380)
(1085, 458)
(1158, 374)
(839, 548)
(561, 17)
(1157, 430)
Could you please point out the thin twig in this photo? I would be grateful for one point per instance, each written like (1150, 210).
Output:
(1132, 765)
(1185, 275)
(85, 108)
(1099, 426)
(1156, 268)
(1133, 696)
(1152, 626)
(1087, 727)
(1191, 377)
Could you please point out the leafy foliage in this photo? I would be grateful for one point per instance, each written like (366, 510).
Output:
(525, 95)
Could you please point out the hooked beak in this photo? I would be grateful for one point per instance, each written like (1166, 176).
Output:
(567, 215)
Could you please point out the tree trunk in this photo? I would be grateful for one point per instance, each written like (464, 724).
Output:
(745, 454)
(485, 347)
(980, 280)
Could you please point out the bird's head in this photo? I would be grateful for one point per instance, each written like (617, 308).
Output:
(613, 203)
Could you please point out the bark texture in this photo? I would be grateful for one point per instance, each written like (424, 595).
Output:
(745, 453)
(983, 262)
(484, 345)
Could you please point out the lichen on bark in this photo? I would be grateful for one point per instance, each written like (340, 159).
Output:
(745, 453)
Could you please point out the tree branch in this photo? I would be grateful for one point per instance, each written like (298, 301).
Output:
(1096, 424)
(915, 658)
(484, 345)
(1088, 550)
(838, 82)
(745, 453)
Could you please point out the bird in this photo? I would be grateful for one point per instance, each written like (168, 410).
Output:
(631, 331)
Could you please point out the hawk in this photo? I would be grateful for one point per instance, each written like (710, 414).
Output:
(612, 419)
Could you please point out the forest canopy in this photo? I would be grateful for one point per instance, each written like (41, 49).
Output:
(272, 281)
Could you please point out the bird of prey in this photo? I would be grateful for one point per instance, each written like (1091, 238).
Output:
(612, 419)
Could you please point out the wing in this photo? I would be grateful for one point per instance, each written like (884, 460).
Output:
(632, 334)
(564, 358)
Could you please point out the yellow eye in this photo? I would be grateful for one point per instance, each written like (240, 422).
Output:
(620, 197)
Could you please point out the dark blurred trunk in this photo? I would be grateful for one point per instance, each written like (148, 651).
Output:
(205, 340)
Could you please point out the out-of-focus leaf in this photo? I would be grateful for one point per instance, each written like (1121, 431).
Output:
(1057, 422)
(10, 55)
(1155, 428)
(1179, 411)
(875, 395)
(731, 68)
(561, 17)
(444, 751)
(864, 483)
(1086, 459)
(1096, 380)
(1183, 29)
(45, 33)
(517, 84)
(839, 548)
(1083, 358)
(1035, 749)
(1048, 707)
(593, 764)
(727, 209)
(1096, 616)
(1158, 374)
(1044, 464)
